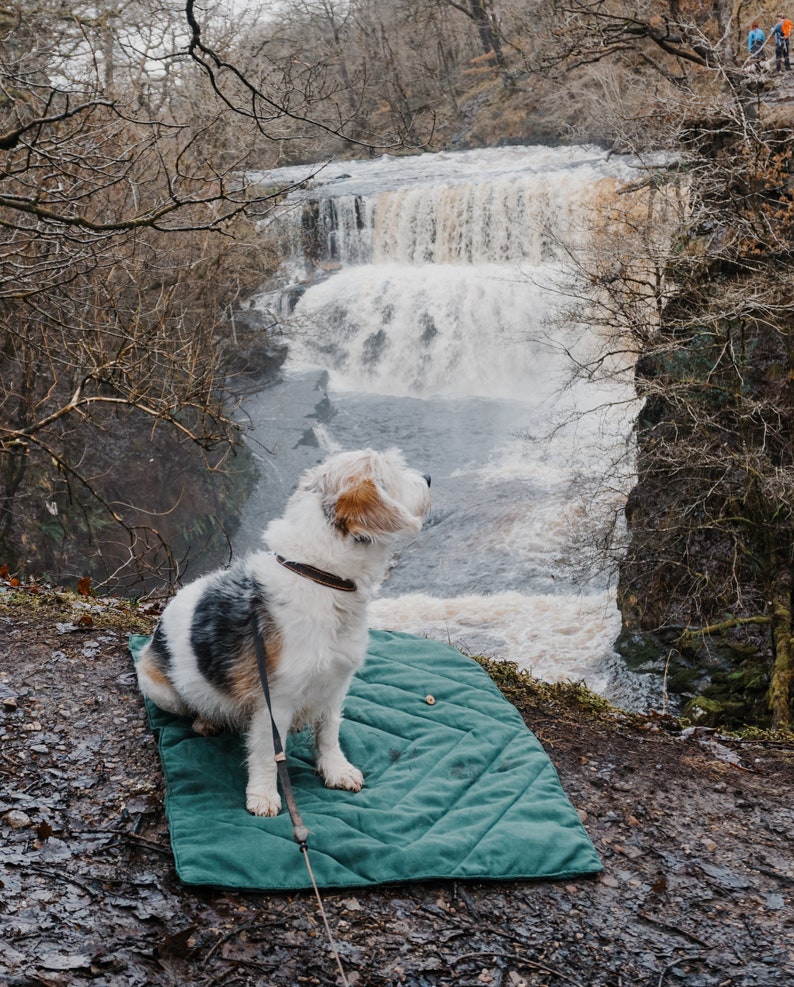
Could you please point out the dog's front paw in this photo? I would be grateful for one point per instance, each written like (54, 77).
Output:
(263, 803)
(341, 775)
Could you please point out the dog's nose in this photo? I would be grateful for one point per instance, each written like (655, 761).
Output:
(427, 478)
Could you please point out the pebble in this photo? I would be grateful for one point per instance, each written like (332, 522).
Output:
(17, 819)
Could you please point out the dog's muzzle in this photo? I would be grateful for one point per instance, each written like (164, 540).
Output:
(427, 478)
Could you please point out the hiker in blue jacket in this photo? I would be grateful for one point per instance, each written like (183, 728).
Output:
(781, 32)
(755, 43)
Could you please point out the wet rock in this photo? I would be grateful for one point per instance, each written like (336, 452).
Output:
(17, 819)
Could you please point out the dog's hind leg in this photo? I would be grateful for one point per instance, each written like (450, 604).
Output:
(206, 728)
(156, 685)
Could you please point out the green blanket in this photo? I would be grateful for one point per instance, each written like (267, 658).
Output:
(457, 788)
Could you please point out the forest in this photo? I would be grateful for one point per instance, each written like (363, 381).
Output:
(132, 232)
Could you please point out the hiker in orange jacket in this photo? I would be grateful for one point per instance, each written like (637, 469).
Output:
(781, 32)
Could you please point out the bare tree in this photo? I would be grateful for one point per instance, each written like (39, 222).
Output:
(128, 227)
(483, 16)
(373, 79)
(713, 518)
(126, 230)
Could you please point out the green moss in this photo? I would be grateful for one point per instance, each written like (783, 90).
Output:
(36, 602)
(704, 711)
(575, 700)
(519, 686)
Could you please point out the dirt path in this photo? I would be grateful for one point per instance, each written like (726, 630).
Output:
(695, 832)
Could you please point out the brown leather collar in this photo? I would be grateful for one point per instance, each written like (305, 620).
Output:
(318, 575)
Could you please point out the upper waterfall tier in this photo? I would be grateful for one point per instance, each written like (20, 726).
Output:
(492, 206)
(451, 272)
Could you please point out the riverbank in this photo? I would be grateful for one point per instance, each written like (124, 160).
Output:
(694, 831)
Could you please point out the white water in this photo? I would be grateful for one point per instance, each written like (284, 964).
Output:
(432, 332)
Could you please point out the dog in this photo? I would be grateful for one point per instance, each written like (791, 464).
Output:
(308, 594)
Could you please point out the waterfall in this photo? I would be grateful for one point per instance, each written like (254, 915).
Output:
(425, 329)
(419, 296)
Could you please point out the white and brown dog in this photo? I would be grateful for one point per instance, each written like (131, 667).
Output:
(328, 553)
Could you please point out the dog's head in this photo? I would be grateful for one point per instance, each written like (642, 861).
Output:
(368, 495)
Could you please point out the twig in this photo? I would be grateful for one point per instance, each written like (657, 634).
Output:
(63, 876)
(149, 844)
(517, 961)
(256, 922)
(12, 761)
(674, 928)
(675, 962)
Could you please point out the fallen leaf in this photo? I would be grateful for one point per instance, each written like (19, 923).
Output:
(17, 819)
(176, 946)
(64, 961)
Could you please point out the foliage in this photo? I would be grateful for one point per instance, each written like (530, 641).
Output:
(520, 686)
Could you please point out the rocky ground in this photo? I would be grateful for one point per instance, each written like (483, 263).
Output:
(695, 832)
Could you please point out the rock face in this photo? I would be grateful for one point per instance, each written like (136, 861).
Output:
(705, 586)
(250, 348)
(179, 504)
(692, 583)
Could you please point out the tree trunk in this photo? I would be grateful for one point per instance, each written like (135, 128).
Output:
(490, 39)
(781, 686)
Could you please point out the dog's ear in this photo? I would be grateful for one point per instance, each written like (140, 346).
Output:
(314, 480)
(363, 510)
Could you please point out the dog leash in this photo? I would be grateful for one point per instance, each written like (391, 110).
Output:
(299, 831)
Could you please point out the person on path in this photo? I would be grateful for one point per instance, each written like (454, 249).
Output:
(755, 43)
(781, 32)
